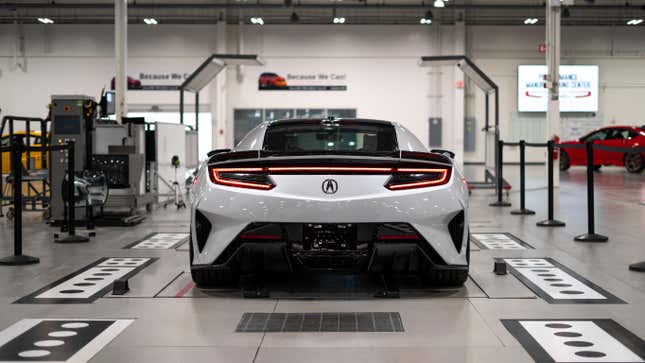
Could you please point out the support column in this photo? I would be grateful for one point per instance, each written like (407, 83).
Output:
(121, 57)
(222, 131)
(459, 97)
(553, 76)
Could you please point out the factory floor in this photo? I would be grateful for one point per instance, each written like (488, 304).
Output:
(517, 317)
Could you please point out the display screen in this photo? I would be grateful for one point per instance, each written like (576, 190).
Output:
(67, 125)
(578, 88)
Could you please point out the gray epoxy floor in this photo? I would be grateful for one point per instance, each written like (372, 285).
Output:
(437, 328)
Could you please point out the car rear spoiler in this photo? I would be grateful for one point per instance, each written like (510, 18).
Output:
(399, 157)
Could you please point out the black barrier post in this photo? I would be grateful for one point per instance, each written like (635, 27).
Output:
(71, 237)
(591, 235)
(522, 210)
(639, 266)
(550, 222)
(16, 169)
(500, 178)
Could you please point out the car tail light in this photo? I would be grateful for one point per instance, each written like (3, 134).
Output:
(253, 178)
(409, 178)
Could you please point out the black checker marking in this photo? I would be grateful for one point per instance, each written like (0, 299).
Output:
(31, 298)
(26, 340)
(535, 350)
(610, 298)
(509, 235)
(176, 245)
(370, 322)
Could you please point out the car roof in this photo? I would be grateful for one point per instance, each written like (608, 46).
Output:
(329, 119)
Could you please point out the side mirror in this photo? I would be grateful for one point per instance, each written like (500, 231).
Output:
(217, 151)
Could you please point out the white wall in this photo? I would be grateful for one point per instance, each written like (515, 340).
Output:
(619, 52)
(383, 78)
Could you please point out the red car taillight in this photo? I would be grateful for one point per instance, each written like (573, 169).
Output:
(253, 178)
(258, 178)
(409, 178)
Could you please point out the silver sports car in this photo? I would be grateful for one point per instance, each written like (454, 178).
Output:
(348, 195)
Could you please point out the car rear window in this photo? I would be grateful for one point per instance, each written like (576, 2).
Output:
(295, 137)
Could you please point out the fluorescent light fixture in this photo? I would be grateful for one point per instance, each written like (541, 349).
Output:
(150, 21)
(46, 20)
(258, 21)
(634, 21)
(425, 21)
(531, 21)
(339, 20)
(439, 4)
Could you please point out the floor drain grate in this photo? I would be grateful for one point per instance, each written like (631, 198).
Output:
(320, 322)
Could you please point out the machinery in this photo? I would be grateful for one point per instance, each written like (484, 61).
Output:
(117, 150)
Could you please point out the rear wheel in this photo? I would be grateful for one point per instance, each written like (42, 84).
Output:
(634, 162)
(209, 278)
(446, 277)
(565, 163)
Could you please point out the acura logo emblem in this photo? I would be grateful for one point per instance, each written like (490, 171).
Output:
(329, 186)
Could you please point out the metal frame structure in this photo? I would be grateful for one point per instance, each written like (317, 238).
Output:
(489, 87)
(206, 72)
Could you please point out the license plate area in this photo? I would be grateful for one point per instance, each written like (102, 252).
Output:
(329, 237)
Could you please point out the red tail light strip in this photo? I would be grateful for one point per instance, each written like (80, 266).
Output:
(217, 179)
(324, 168)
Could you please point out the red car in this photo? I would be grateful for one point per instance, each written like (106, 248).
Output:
(616, 136)
(133, 83)
(271, 81)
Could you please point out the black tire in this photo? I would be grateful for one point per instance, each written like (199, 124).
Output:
(634, 163)
(446, 277)
(565, 163)
(449, 277)
(209, 278)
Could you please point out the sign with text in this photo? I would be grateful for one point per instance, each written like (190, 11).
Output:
(578, 88)
(269, 81)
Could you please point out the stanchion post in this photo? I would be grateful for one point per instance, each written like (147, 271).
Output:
(16, 169)
(522, 210)
(550, 222)
(500, 177)
(71, 237)
(591, 235)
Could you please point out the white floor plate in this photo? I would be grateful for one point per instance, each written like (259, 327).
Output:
(557, 284)
(89, 283)
(160, 241)
(578, 341)
(58, 340)
(499, 241)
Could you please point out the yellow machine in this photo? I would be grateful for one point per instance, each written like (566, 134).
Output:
(36, 139)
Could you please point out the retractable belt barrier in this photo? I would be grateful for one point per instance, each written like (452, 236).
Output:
(591, 235)
(16, 149)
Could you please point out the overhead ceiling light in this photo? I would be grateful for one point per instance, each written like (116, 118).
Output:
(46, 20)
(425, 21)
(150, 21)
(531, 21)
(339, 20)
(634, 21)
(294, 17)
(439, 4)
(258, 21)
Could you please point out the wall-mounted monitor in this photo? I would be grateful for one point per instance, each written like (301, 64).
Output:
(578, 88)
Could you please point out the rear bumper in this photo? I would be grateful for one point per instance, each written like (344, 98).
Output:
(428, 210)
(276, 257)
